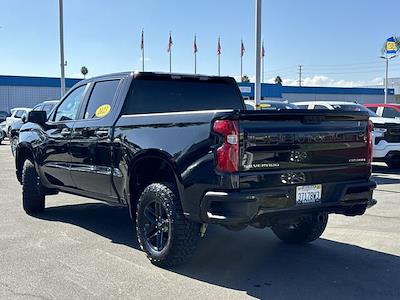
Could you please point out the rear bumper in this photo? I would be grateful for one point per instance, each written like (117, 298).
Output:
(248, 206)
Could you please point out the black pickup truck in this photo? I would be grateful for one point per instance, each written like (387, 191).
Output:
(182, 152)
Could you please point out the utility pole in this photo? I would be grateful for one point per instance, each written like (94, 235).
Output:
(300, 81)
(257, 90)
(62, 62)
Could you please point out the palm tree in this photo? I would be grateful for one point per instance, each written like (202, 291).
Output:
(84, 71)
(278, 80)
(245, 78)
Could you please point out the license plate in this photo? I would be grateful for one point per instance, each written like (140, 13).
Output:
(308, 194)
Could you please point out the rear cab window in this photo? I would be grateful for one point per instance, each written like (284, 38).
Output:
(166, 94)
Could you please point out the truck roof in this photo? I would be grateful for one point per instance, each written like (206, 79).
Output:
(137, 74)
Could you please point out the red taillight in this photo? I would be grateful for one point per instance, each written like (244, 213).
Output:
(369, 141)
(228, 153)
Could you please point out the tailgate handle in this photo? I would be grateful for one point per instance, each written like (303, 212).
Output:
(313, 119)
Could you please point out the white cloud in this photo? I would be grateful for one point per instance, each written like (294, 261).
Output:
(145, 59)
(322, 80)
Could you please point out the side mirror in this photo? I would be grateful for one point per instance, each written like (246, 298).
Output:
(24, 118)
(37, 116)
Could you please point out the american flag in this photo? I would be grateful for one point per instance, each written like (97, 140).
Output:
(142, 41)
(195, 50)
(242, 49)
(170, 43)
(219, 47)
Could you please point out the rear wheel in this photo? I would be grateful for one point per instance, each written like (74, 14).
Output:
(394, 164)
(164, 233)
(301, 232)
(33, 199)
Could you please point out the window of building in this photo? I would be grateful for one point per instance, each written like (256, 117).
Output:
(68, 109)
(102, 96)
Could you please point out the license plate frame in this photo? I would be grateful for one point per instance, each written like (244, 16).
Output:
(308, 194)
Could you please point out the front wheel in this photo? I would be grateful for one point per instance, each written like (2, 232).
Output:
(163, 232)
(301, 232)
(33, 199)
(13, 144)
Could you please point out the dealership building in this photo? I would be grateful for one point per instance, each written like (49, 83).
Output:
(24, 91)
(276, 92)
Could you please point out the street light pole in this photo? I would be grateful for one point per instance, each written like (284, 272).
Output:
(386, 78)
(386, 58)
(257, 89)
(62, 62)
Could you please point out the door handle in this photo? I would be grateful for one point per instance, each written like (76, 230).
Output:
(65, 132)
(101, 132)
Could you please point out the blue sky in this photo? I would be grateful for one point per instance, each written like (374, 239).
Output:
(337, 42)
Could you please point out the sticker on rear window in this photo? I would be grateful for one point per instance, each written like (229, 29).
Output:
(103, 110)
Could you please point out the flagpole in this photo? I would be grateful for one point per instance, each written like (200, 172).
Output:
(219, 64)
(170, 52)
(170, 63)
(241, 67)
(219, 56)
(195, 54)
(142, 50)
(263, 66)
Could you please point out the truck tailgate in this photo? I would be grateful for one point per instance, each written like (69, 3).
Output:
(302, 147)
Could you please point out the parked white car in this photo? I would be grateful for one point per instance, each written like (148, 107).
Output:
(17, 114)
(386, 133)
(2, 131)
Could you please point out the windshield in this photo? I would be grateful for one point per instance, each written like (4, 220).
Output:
(354, 107)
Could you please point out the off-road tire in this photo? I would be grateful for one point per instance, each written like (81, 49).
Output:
(13, 144)
(33, 199)
(301, 233)
(393, 164)
(183, 234)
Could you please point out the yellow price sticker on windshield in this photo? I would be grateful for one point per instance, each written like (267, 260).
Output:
(103, 110)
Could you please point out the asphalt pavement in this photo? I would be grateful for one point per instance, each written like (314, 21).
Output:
(84, 249)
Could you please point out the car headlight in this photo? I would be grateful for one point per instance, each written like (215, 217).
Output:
(379, 132)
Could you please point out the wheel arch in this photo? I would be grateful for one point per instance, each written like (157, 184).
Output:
(22, 153)
(148, 167)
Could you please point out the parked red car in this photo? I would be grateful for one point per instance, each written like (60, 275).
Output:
(385, 110)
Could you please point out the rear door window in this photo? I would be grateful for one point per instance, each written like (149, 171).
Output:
(101, 99)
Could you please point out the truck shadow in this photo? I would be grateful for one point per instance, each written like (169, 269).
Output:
(253, 261)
